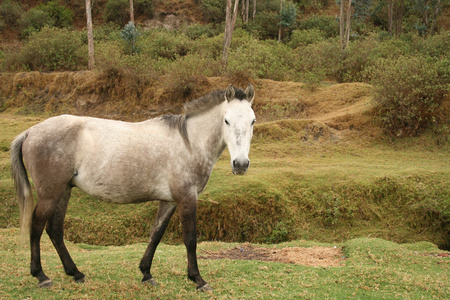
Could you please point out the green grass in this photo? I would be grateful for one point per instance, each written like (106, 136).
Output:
(373, 269)
(315, 190)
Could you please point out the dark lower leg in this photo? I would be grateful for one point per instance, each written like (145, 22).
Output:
(188, 220)
(55, 230)
(37, 228)
(165, 212)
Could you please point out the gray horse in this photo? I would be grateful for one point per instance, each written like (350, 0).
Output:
(168, 159)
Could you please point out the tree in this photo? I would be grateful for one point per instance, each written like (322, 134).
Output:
(345, 32)
(288, 15)
(395, 16)
(90, 35)
(230, 21)
(131, 11)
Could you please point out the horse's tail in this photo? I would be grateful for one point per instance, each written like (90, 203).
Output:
(22, 186)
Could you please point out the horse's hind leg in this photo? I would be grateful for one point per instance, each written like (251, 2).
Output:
(55, 230)
(41, 213)
(165, 212)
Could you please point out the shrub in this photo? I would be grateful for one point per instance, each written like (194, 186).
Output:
(34, 20)
(301, 38)
(164, 44)
(61, 15)
(185, 79)
(265, 25)
(213, 10)
(10, 12)
(144, 7)
(409, 92)
(317, 61)
(197, 31)
(116, 11)
(260, 60)
(130, 34)
(327, 24)
(52, 49)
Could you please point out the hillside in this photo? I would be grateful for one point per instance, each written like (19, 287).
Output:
(342, 108)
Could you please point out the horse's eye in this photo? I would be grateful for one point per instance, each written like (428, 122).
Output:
(226, 122)
(253, 122)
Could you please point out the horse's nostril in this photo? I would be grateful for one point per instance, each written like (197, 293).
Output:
(234, 164)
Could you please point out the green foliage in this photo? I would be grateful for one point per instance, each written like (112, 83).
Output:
(288, 15)
(10, 12)
(409, 91)
(327, 24)
(317, 61)
(301, 38)
(62, 16)
(34, 20)
(50, 49)
(265, 25)
(130, 35)
(144, 8)
(185, 78)
(213, 10)
(260, 60)
(116, 11)
(197, 31)
(164, 44)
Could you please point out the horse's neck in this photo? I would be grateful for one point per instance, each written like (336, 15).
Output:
(205, 132)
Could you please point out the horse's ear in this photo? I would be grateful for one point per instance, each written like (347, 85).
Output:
(250, 92)
(229, 94)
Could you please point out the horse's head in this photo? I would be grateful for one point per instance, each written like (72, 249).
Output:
(238, 126)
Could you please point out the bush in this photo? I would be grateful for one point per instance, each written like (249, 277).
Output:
(164, 44)
(34, 20)
(61, 15)
(197, 31)
(130, 35)
(144, 7)
(327, 24)
(265, 25)
(409, 92)
(261, 60)
(117, 11)
(317, 61)
(10, 12)
(213, 10)
(185, 79)
(51, 49)
(301, 38)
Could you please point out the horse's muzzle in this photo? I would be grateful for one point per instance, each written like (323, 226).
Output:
(240, 166)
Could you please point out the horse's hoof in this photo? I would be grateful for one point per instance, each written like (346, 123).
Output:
(80, 280)
(204, 288)
(150, 281)
(45, 284)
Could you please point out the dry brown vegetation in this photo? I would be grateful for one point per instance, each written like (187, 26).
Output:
(338, 109)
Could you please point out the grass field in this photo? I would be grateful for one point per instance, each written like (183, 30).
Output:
(385, 202)
(373, 269)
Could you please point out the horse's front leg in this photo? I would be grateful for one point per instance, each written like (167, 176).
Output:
(188, 214)
(165, 212)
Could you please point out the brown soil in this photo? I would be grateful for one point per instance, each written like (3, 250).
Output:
(313, 256)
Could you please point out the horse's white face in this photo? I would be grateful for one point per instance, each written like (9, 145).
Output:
(238, 130)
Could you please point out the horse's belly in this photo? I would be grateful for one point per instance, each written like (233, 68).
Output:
(123, 192)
